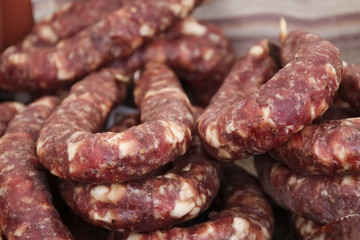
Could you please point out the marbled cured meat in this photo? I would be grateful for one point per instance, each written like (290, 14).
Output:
(346, 228)
(151, 203)
(199, 53)
(115, 36)
(7, 112)
(290, 100)
(244, 212)
(315, 197)
(329, 148)
(217, 126)
(69, 19)
(68, 147)
(26, 209)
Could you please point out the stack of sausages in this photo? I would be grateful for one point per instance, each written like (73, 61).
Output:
(169, 172)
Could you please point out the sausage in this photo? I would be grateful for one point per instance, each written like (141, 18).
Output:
(315, 197)
(328, 148)
(339, 109)
(68, 147)
(117, 35)
(151, 203)
(290, 100)
(27, 211)
(69, 19)
(349, 87)
(243, 212)
(346, 228)
(303, 228)
(199, 53)
(217, 125)
(7, 112)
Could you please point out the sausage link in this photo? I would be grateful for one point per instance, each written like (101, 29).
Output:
(303, 228)
(350, 85)
(69, 19)
(7, 112)
(318, 198)
(117, 35)
(26, 210)
(290, 100)
(199, 53)
(346, 228)
(151, 203)
(244, 213)
(328, 148)
(219, 126)
(68, 147)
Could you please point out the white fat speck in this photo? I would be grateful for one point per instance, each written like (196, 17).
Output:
(18, 58)
(212, 136)
(20, 230)
(330, 69)
(8, 168)
(127, 148)
(146, 30)
(182, 208)
(347, 180)
(209, 54)
(256, 50)
(324, 193)
(266, 115)
(48, 33)
(177, 131)
(45, 102)
(340, 151)
(122, 77)
(170, 175)
(2, 191)
(241, 228)
(312, 112)
(185, 203)
(117, 192)
(108, 217)
(62, 74)
(72, 150)
(187, 168)
(291, 83)
(99, 192)
(195, 211)
(72, 147)
(292, 180)
(163, 90)
(175, 8)
(223, 153)
(312, 81)
(230, 127)
(187, 6)
(174, 132)
(278, 96)
(192, 27)
(134, 236)
(214, 37)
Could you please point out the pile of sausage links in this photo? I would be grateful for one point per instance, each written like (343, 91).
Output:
(69, 169)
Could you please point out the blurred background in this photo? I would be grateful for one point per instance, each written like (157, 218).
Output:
(244, 21)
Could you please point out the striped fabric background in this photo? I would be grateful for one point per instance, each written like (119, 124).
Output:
(247, 21)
